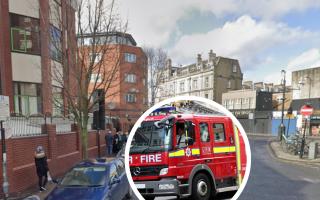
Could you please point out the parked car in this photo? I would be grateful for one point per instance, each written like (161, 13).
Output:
(99, 179)
(121, 152)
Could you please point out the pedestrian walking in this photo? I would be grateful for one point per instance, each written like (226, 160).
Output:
(109, 143)
(40, 160)
(116, 141)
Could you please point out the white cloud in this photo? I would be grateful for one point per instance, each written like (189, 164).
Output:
(307, 59)
(244, 39)
(275, 8)
(153, 22)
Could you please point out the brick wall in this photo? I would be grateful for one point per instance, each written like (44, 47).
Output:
(63, 151)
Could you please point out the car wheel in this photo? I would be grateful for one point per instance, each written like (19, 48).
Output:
(201, 187)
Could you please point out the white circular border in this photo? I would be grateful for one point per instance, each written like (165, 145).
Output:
(194, 98)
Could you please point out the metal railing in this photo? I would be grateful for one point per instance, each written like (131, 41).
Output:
(18, 126)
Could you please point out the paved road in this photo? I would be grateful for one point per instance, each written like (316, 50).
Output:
(272, 179)
(226, 195)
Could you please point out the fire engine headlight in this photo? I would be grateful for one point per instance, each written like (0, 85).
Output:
(163, 171)
(166, 186)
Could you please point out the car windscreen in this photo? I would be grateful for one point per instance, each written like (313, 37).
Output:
(149, 138)
(85, 176)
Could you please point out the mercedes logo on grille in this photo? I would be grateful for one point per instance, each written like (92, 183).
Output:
(136, 171)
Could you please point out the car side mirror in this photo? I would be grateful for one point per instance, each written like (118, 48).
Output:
(189, 141)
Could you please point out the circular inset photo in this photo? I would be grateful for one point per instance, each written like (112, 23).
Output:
(187, 147)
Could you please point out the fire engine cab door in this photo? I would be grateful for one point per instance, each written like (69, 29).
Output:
(223, 149)
(184, 155)
(205, 142)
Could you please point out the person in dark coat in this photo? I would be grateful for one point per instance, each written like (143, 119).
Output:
(116, 143)
(109, 141)
(40, 160)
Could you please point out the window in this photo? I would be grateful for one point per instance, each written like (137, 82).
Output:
(234, 68)
(171, 89)
(182, 133)
(27, 98)
(204, 132)
(55, 44)
(129, 57)
(25, 35)
(229, 84)
(95, 56)
(206, 82)
(219, 133)
(231, 103)
(55, 15)
(195, 84)
(182, 86)
(131, 98)
(130, 78)
(224, 103)
(57, 104)
(95, 78)
(206, 96)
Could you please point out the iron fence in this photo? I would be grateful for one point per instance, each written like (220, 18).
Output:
(18, 126)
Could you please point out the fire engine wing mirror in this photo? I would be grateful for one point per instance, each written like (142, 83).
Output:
(189, 141)
(188, 125)
(163, 122)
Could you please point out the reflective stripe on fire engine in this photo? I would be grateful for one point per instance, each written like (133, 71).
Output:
(177, 153)
(238, 154)
(195, 151)
(182, 153)
(229, 149)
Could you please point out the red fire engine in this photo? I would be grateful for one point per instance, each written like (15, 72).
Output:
(187, 155)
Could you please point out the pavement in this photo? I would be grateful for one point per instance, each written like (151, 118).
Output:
(271, 179)
(277, 151)
(33, 194)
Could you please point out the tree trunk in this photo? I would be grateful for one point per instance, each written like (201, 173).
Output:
(84, 141)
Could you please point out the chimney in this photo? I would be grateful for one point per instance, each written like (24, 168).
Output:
(212, 56)
(168, 63)
(199, 59)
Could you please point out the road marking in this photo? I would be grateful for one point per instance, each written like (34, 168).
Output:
(310, 180)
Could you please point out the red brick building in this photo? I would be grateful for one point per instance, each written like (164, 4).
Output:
(33, 39)
(126, 99)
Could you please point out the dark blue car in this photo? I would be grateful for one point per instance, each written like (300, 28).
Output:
(99, 179)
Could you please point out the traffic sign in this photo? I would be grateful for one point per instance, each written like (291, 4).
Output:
(306, 110)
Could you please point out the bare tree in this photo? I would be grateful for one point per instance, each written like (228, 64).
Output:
(89, 64)
(156, 62)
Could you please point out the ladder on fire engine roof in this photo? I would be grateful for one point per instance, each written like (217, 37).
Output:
(199, 108)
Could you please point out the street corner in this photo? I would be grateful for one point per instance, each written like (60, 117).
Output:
(278, 151)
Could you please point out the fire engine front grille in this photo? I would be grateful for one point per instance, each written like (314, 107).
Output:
(146, 170)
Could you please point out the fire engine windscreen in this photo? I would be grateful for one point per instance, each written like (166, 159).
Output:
(152, 137)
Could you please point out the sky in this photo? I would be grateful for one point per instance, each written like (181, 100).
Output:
(266, 36)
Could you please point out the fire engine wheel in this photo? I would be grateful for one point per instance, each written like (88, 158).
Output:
(201, 187)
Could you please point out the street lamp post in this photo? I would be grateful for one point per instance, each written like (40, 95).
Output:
(282, 127)
(309, 96)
